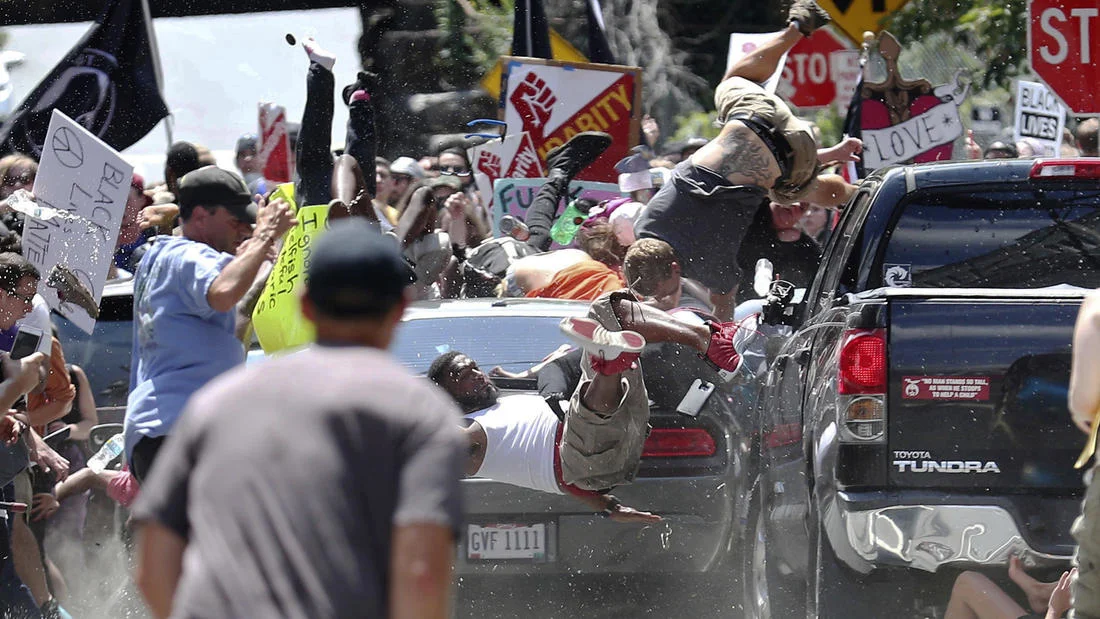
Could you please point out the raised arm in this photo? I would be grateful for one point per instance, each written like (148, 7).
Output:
(235, 279)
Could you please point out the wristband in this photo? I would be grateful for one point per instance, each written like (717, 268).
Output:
(612, 507)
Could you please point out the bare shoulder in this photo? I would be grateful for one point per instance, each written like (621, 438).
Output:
(739, 155)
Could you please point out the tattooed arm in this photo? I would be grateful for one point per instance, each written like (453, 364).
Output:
(739, 155)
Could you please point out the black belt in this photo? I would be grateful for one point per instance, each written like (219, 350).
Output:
(774, 140)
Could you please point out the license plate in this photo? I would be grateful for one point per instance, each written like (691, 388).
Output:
(507, 541)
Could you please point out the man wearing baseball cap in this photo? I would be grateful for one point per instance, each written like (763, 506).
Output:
(363, 495)
(762, 150)
(185, 292)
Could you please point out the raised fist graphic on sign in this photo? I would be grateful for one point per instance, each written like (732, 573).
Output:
(534, 101)
(489, 164)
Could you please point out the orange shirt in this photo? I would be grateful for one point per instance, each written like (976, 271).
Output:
(58, 386)
(584, 281)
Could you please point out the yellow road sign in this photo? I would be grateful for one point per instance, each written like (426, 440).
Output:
(853, 17)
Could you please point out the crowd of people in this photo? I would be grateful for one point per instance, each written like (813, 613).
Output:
(218, 484)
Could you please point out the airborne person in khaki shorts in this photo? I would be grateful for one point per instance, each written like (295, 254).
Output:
(763, 149)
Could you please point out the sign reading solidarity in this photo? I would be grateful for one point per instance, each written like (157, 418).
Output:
(83, 185)
(1039, 116)
(513, 196)
(811, 69)
(1063, 37)
(854, 17)
(553, 101)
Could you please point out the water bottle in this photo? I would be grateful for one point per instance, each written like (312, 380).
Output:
(762, 279)
(108, 452)
(565, 228)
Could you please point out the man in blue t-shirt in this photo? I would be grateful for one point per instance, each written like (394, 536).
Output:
(185, 292)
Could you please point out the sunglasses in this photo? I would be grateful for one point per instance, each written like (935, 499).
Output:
(450, 170)
(26, 299)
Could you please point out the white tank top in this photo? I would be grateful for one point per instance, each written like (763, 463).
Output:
(520, 449)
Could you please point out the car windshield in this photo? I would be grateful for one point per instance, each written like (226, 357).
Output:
(105, 354)
(1011, 237)
(514, 343)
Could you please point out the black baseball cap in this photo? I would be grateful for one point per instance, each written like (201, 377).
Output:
(212, 186)
(355, 271)
(248, 141)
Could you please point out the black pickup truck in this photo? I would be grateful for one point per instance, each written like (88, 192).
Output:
(915, 423)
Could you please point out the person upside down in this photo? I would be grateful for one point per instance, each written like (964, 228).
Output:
(519, 440)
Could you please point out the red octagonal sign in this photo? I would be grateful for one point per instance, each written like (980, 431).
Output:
(809, 69)
(1063, 43)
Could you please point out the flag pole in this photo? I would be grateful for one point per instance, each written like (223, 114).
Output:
(155, 49)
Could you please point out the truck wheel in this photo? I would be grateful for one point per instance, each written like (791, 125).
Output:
(767, 592)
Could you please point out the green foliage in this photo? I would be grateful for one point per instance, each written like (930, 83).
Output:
(995, 31)
(475, 34)
(695, 125)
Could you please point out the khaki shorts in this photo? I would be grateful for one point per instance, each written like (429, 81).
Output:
(738, 95)
(1086, 530)
(602, 450)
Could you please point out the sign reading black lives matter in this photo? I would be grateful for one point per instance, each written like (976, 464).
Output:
(87, 183)
(1039, 116)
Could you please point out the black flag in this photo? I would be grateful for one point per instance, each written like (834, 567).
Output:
(853, 127)
(530, 30)
(108, 83)
(599, 50)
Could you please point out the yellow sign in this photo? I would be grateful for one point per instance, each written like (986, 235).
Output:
(854, 17)
(560, 49)
(278, 319)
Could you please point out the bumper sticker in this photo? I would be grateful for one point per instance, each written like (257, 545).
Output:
(945, 388)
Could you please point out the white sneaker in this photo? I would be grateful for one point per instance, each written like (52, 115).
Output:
(600, 342)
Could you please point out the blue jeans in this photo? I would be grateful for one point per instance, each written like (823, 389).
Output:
(16, 601)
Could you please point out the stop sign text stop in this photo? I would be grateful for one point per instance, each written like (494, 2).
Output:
(1062, 41)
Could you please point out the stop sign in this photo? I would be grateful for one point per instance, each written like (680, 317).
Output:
(807, 73)
(1064, 50)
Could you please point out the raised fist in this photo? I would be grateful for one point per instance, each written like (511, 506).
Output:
(489, 164)
(534, 101)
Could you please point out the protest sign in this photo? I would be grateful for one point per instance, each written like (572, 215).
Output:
(744, 43)
(908, 120)
(274, 143)
(513, 196)
(89, 183)
(1039, 117)
(553, 101)
(278, 319)
(518, 150)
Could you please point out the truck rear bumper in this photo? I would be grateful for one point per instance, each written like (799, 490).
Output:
(927, 537)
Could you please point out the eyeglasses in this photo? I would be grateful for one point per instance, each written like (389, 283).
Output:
(450, 170)
(22, 179)
(24, 298)
(401, 178)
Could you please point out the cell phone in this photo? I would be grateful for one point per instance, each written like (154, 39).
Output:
(695, 398)
(26, 342)
(56, 438)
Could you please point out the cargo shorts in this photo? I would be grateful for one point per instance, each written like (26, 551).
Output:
(1086, 530)
(602, 450)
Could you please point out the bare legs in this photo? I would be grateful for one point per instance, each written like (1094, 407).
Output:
(657, 326)
(977, 597)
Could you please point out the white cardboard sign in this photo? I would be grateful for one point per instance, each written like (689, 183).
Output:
(744, 43)
(81, 175)
(1039, 116)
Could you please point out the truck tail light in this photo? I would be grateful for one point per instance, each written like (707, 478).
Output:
(1065, 168)
(861, 388)
(679, 443)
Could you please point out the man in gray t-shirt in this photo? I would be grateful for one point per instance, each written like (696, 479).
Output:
(320, 484)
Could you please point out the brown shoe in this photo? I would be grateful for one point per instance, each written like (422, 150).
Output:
(809, 16)
(72, 290)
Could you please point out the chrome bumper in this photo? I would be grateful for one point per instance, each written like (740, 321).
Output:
(928, 536)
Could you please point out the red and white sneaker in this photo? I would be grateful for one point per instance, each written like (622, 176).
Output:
(611, 352)
(721, 353)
